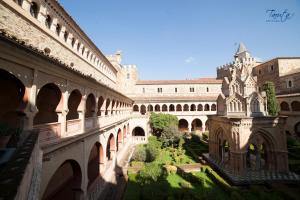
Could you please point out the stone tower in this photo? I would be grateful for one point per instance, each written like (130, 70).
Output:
(245, 143)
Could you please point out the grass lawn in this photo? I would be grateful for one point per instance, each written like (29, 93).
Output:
(196, 185)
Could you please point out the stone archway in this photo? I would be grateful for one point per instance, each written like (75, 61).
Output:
(119, 139)
(193, 107)
(48, 102)
(96, 159)
(73, 103)
(157, 108)
(185, 107)
(196, 125)
(143, 109)
(135, 108)
(13, 100)
(138, 131)
(284, 106)
(150, 108)
(171, 108)
(178, 107)
(183, 125)
(65, 183)
(110, 147)
(199, 107)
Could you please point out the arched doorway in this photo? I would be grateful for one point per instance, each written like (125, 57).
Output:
(171, 108)
(193, 107)
(96, 159)
(186, 107)
(199, 107)
(90, 106)
(119, 139)
(73, 103)
(143, 109)
(106, 106)
(100, 105)
(213, 107)
(138, 131)
(164, 108)
(197, 125)
(13, 100)
(206, 107)
(284, 106)
(135, 108)
(65, 183)
(48, 102)
(157, 108)
(150, 108)
(295, 106)
(178, 107)
(110, 147)
(183, 125)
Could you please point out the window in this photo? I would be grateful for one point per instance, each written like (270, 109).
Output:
(192, 89)
(48, 21)
(272, 68)
(34, 9)
(66, 35)
(73, 42)
(289, 83)
(207, 89)
(159, 90)
(175, 90)
(78, 46)
(259, 71)
(58, 28)
(143, 90)
(128, 76)
(83, 49)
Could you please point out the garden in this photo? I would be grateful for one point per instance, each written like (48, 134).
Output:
(157, 169)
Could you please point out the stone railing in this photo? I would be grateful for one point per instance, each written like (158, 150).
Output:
(49, 133)
(139, 139)
(20, 177)
(52, 132)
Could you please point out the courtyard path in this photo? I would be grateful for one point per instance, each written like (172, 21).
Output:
(116, 191)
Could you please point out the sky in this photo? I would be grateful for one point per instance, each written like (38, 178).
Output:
(186, 39)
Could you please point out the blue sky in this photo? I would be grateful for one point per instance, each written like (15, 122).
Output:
(180, 39)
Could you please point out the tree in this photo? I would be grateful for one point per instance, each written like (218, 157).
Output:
(160, 121)
(272, 106)
(170, 136)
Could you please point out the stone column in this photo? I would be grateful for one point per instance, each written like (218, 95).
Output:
(82, 113)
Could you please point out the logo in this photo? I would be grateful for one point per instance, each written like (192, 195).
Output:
(274, 15)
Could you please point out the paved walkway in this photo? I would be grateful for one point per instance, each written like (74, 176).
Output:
(116, 191)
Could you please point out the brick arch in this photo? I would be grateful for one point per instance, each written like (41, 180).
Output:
(90, 105)
(49, 102)
(110, 147)
(183, 125)
(65, 183)
(295, 105)
(96, 159)
(13, 100)
(284, 106)
(73, 104)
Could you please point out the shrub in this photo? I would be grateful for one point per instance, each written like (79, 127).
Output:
(150, 173)
(139, 154)
(152, 152)
(205, 136)
(195, 138)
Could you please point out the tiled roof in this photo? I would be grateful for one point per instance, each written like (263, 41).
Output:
(192, 81)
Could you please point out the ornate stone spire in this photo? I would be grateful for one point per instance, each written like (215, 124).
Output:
(241, 49)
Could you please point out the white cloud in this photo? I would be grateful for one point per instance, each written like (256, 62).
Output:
(190, 60)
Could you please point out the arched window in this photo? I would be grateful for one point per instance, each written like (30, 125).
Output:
(73, 42)
(284, 106)
(34, 10)
(48, 21)
(213, 107)
(206, 107)
(135, 108)
(66, 35)
(20, 2)
(58, 29)
(78, 46)
(295, 106)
